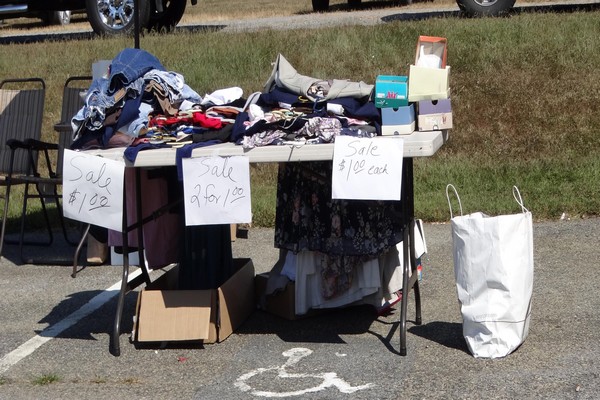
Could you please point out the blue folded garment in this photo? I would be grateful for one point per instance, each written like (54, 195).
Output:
(186, 152)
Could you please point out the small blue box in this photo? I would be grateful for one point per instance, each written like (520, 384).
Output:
(391, 91)
(398, 121)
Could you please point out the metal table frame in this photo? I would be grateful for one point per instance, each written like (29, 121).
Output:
(418, 144)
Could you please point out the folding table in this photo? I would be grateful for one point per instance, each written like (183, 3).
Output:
(417, 144)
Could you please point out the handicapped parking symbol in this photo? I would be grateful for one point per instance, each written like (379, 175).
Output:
(329, 379)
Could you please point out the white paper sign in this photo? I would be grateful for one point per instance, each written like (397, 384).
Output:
(217, 190)
(367, 168)
(93, 189)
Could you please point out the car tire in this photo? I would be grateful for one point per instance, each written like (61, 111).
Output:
(170, 16)
(320, 5)
(58, 18)
(99, 14)
(485, 7)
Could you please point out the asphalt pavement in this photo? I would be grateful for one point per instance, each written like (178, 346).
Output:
(55, 330)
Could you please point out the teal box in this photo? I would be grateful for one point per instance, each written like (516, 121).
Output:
(391, 91)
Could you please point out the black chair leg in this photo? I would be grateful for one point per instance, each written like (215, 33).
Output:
(86, 230)
(4, 217)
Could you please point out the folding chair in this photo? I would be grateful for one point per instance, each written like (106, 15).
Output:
(73, 100)
(31, 165)
(21, 114)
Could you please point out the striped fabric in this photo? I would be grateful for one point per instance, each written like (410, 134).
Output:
(21, 113)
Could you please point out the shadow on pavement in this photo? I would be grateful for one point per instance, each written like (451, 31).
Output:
(448, 334)
(323, 328)
(99, 322)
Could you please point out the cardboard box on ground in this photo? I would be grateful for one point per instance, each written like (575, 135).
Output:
(281, 303)
(210, 316)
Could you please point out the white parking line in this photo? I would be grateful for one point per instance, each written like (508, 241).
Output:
(54, 330)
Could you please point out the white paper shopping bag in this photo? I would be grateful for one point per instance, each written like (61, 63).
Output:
(493, 267)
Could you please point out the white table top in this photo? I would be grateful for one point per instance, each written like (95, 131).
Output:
(417, 144)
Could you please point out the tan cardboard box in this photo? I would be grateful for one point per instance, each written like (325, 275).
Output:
(209, 316)
(282, 303)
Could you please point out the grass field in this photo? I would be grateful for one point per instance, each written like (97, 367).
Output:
(524, 96)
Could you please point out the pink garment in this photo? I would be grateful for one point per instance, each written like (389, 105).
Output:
(161, 235)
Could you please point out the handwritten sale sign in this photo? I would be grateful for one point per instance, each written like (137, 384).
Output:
(93, 189)
(216, 190)
(367, 168)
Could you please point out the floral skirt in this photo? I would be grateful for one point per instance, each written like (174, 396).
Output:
(307, 218)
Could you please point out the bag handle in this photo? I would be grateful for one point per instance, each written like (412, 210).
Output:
(519, 199)
(448, 186)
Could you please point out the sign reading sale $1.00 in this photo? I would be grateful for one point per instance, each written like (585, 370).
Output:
(93, 189)
(367, 168)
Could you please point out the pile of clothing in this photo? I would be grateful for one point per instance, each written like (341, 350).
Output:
(139, 103)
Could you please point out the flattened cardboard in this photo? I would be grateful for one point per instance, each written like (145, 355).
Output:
(209, 316)
(174, 315)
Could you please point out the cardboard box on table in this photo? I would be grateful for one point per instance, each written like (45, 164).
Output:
(428, 77)
(210, 316)
(391, 91)
(428, 83)
(434, 115)
(432, 52)
(398, 121)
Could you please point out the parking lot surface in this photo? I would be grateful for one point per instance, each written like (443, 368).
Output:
(55, 337)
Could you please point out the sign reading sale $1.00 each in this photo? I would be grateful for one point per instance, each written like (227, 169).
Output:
(367, 168)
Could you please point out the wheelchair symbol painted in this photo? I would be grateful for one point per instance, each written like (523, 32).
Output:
(329, 379)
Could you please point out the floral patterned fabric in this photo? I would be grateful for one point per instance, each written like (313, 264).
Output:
(307, 218)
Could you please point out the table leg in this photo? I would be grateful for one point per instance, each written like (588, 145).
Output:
(414, 273)
(408, 253)
(405, 291)
(140, 225)
(145, 277)
(114, 346)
